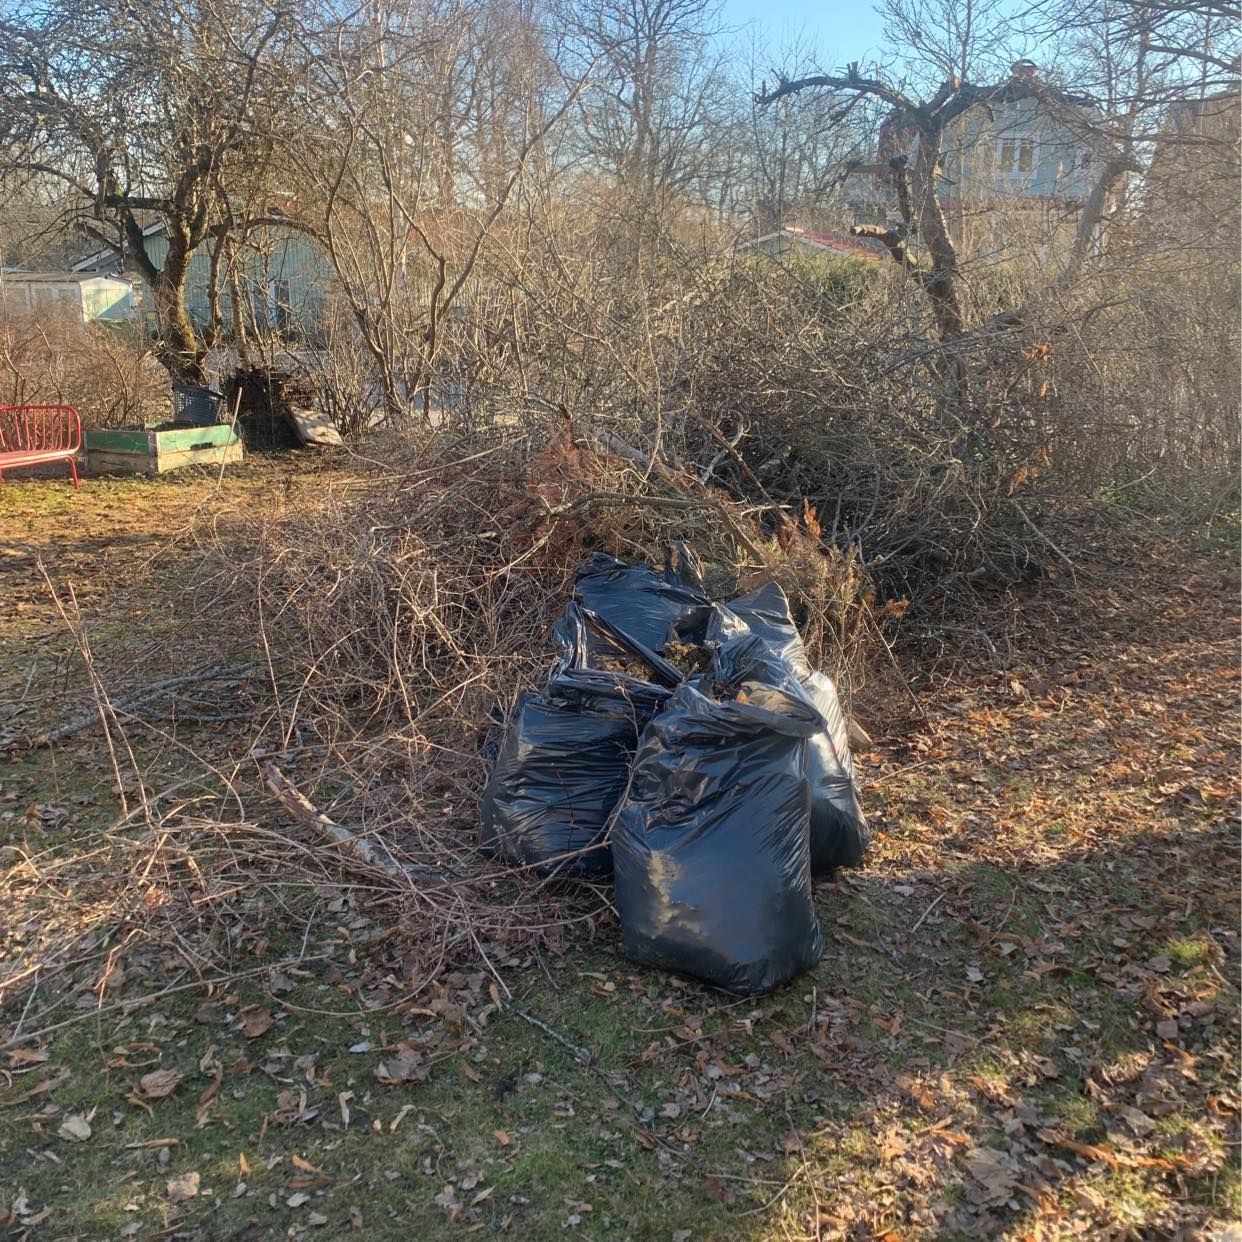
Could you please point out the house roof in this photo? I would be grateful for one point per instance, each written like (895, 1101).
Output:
(1018, 88)
(101, 256)
(278, 210)
(57, 278)
(839, 243)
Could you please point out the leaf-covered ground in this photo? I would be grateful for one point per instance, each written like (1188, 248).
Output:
(1025, 1024)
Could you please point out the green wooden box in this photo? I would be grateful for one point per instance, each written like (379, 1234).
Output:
(156, 450)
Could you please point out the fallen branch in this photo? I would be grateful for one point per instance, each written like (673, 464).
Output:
(923, 916)
(301, 808)
(543, 510)
(137, 698)
(580, 1054)
(665, 502)
(1039, 534)
(614, 444)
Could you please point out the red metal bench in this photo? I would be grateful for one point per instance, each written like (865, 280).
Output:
(33, 434)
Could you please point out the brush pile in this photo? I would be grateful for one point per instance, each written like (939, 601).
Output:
(408, 617)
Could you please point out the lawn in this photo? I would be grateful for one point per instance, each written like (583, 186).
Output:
(1025, 1023)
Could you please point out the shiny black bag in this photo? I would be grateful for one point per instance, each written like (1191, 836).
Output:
(564, 761)
(710, 843)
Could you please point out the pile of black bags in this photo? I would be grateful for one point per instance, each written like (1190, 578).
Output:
(713, 796)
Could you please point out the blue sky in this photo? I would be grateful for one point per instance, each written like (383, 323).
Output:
(840, 32)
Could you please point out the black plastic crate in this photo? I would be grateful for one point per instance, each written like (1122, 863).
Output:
(196, 405)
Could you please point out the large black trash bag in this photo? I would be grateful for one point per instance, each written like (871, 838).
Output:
(710, 843)
(765, 613)
(647, 604)
(563, 764)
(838, 828)
(839, 832)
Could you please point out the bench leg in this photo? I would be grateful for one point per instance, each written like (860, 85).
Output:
(73, 469)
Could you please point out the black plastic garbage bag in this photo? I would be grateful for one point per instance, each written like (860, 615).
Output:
(646, 603)
(765, 613)
(564, 762)
(839, 833)
(710, 843)
(838, 828)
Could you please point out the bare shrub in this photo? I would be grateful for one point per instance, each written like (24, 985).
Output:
(104, 371)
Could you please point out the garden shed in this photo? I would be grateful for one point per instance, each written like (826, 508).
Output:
(91, 296)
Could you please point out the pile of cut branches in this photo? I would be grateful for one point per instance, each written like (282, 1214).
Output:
(405, 614)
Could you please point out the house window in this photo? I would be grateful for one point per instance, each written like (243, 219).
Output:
(1015, 156)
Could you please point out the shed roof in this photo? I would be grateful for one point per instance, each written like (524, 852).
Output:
(57, 278)
(851, 247)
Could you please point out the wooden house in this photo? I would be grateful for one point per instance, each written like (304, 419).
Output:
(283, 278)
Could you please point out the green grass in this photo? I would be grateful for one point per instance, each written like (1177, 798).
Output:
(572, 1134)
(1079, 1116)
(1188, 952)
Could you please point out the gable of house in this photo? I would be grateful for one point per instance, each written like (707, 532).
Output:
(1022, 149)
(1033, 142)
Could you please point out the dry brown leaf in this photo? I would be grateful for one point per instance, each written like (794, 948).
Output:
(75, 1128)
(182, 1187)
(1138, 1121)
(406, 1066)
(993, 1180)
(209, 1092)
(254, 1021)
(26, 1056)
(47, 1084)
(159, 1083)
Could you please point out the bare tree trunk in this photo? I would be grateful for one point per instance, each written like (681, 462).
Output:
(240, 311)
(941, 282)
(178, 347)
(215, 319)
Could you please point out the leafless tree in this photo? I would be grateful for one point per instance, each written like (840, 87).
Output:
(141, 114)
(791, 157)
(649, 117)
(429, 116)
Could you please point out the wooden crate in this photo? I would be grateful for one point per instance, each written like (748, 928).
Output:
(158, 450)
